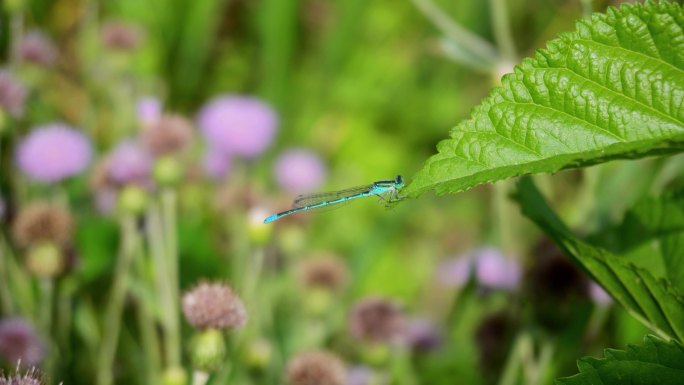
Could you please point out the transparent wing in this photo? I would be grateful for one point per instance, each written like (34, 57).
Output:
(312, 199)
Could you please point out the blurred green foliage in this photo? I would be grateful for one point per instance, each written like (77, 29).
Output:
(365, 85)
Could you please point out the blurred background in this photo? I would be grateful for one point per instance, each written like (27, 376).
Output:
(144, 142)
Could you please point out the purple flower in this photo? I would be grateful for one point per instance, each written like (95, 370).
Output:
(19, 341)
(36, 48)
(494, 270)
(423, 335)
(216, 164)
(359, 375)
(299, 170)
(129, 163)
(598, 295)
(238, 125)
(149, 109)
(12, 94)
(455, 272)
(53, 152)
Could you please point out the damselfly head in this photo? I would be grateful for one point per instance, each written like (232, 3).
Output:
(399, 182)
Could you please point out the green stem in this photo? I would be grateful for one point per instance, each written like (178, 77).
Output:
(598, 318)
(586, 197)
(16, 33)
(47, 292)
(527, 358)
(512, 367)
(502, 29)
(401, 367)
(113, 313)
(587, 8)
(5, 294)
(64, 312)
(504, 219)
(155, 237)
(150, 343)
(147, 325)
(668, 171)
(170, 227)
(455, 32)
(543, 362)
(20, 284)
(254, 274)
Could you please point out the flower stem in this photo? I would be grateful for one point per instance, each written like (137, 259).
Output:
(150, 343)
(586, 8)
(502, 29)
(6, 303)
(170, 228)
(256, 265)
(147, 324)
(586, 197)
(472, 42)
(155, 238)
(112, 322)
(505, 219)
(19, 283)
(512, 368)
(597, 321)
(47, 289)
(16, 33)
(401, 367)
(64, 312)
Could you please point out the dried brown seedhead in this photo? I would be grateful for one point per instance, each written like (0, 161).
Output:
(167, 135)
(214, 305)
(376, 319)
(315, 368)
(43, 222)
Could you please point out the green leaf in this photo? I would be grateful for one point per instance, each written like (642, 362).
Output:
(650, 218)
(655, 303)
(656, 363)
(612, 89)
(651, 235)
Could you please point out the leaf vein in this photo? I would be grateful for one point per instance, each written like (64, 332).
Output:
(648, 57)
(646, 106)
(616, 136)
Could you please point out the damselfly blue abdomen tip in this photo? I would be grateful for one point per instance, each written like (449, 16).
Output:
(271, 218)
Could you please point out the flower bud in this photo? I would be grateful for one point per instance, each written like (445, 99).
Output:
(132, 200)
(175, 376)
(291, 239)
(375, 354)
(259, 233)
(258, 354)
(167, 171)
(208, 350)
(317, 301)
(44, 260)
